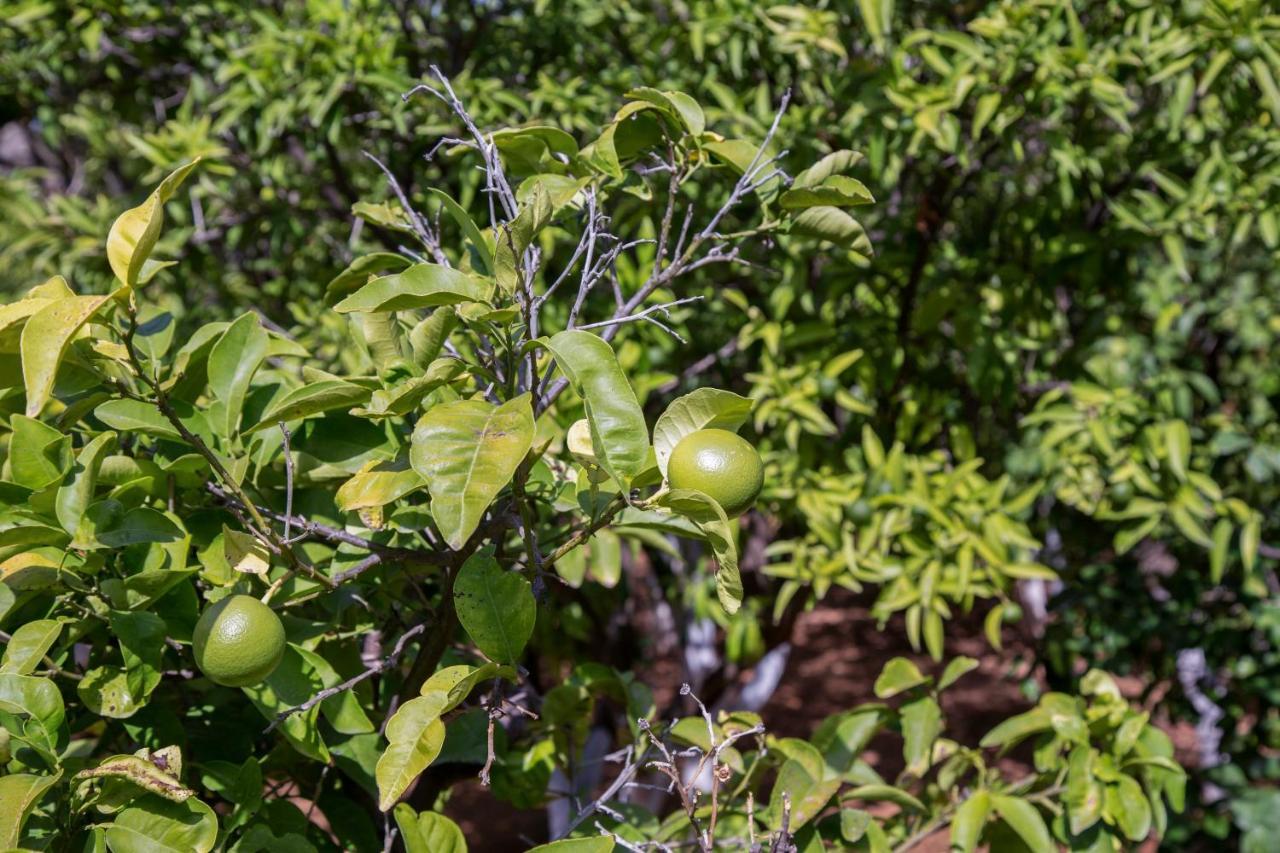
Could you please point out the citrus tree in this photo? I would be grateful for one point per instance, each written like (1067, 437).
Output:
(247, 581)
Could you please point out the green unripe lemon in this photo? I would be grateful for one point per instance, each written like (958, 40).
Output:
(859, 512)
(1244, 47)
(238, 641)
(1122, 493)
(719, 463)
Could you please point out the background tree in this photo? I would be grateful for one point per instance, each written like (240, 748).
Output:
(1056, 361)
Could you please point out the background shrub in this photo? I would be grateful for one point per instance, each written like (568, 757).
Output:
(1034, 377)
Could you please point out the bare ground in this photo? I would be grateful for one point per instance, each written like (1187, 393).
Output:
(837, 652)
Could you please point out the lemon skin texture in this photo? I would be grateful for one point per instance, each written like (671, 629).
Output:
(721, 464)
(238, 641)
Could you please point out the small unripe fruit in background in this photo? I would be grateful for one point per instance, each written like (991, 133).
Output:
(859, 512)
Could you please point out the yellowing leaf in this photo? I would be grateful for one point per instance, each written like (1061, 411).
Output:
(378, 485)
(142, 773)
(45, 338)
(415, 736)
(244, 552)
(467, 451)
(19, 792)
(134, 233)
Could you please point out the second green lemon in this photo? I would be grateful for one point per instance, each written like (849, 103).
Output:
(719, 463)
(238, 641)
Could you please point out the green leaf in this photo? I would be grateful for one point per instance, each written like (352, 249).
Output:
(19, 793)
(853, 824)
(718, 531)
(1219, 551)
(77, 491)
(877, 15)
(899, 674)
(404, 397)
(956, 669)
(1177, 443)
(357, 273)
(153, 824)
(1016, 728)
(420, 286)
(415, 735)
(970, 819)
(458, 681)
(292, 683)
(835, 226)
(843, 737)
(16, 313)
(138, 526)
(597, 844)
(28, 645)
(831, 164)
(1129, 807)
(142, 637)
(104, 690)
(428, 338)
(836, 191)
(677, 105)
(342, 710)
(809, 795)
(515, 237)
(467, 451)
(618, 429)
(1131, 536)
(1028, 571)
(560, 189)
(39, 455)
(705, 408)
(495, 607)
(1084, 794)
(736, 153)
(232, 362)
(428, 832)
(244, 552)
(1250, 538)
(39, 699)
(1024, 819)
(526, 147)
(134, 233)
(44, 342)
(312, 399)
(481, 248)
(885, 793)
(136, 416)
(921, 725)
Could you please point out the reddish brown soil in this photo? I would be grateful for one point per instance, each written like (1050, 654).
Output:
(837, 652)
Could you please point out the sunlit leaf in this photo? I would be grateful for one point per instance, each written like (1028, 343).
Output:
(467, 452)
